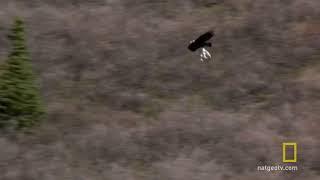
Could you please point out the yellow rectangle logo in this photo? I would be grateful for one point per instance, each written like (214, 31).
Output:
(284, 149)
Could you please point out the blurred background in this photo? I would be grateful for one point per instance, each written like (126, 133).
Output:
(126, 100)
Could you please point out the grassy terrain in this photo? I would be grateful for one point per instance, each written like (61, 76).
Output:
(127, 100)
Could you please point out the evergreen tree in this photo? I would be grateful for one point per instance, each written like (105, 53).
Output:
(20, 103)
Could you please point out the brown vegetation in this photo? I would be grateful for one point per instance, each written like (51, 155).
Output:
(122, 109)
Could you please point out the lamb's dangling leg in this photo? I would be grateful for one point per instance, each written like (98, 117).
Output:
(201, 57)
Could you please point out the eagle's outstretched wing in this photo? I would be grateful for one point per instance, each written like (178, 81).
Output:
(200, 41)
(205, 37)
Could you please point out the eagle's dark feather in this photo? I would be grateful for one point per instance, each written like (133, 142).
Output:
(201, 41)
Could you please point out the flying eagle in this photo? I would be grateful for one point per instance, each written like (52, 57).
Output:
(201, 42)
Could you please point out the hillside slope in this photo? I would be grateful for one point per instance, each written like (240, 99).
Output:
(127, 100)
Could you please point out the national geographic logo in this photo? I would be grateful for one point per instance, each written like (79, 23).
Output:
(289, 155)
(289, 152)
